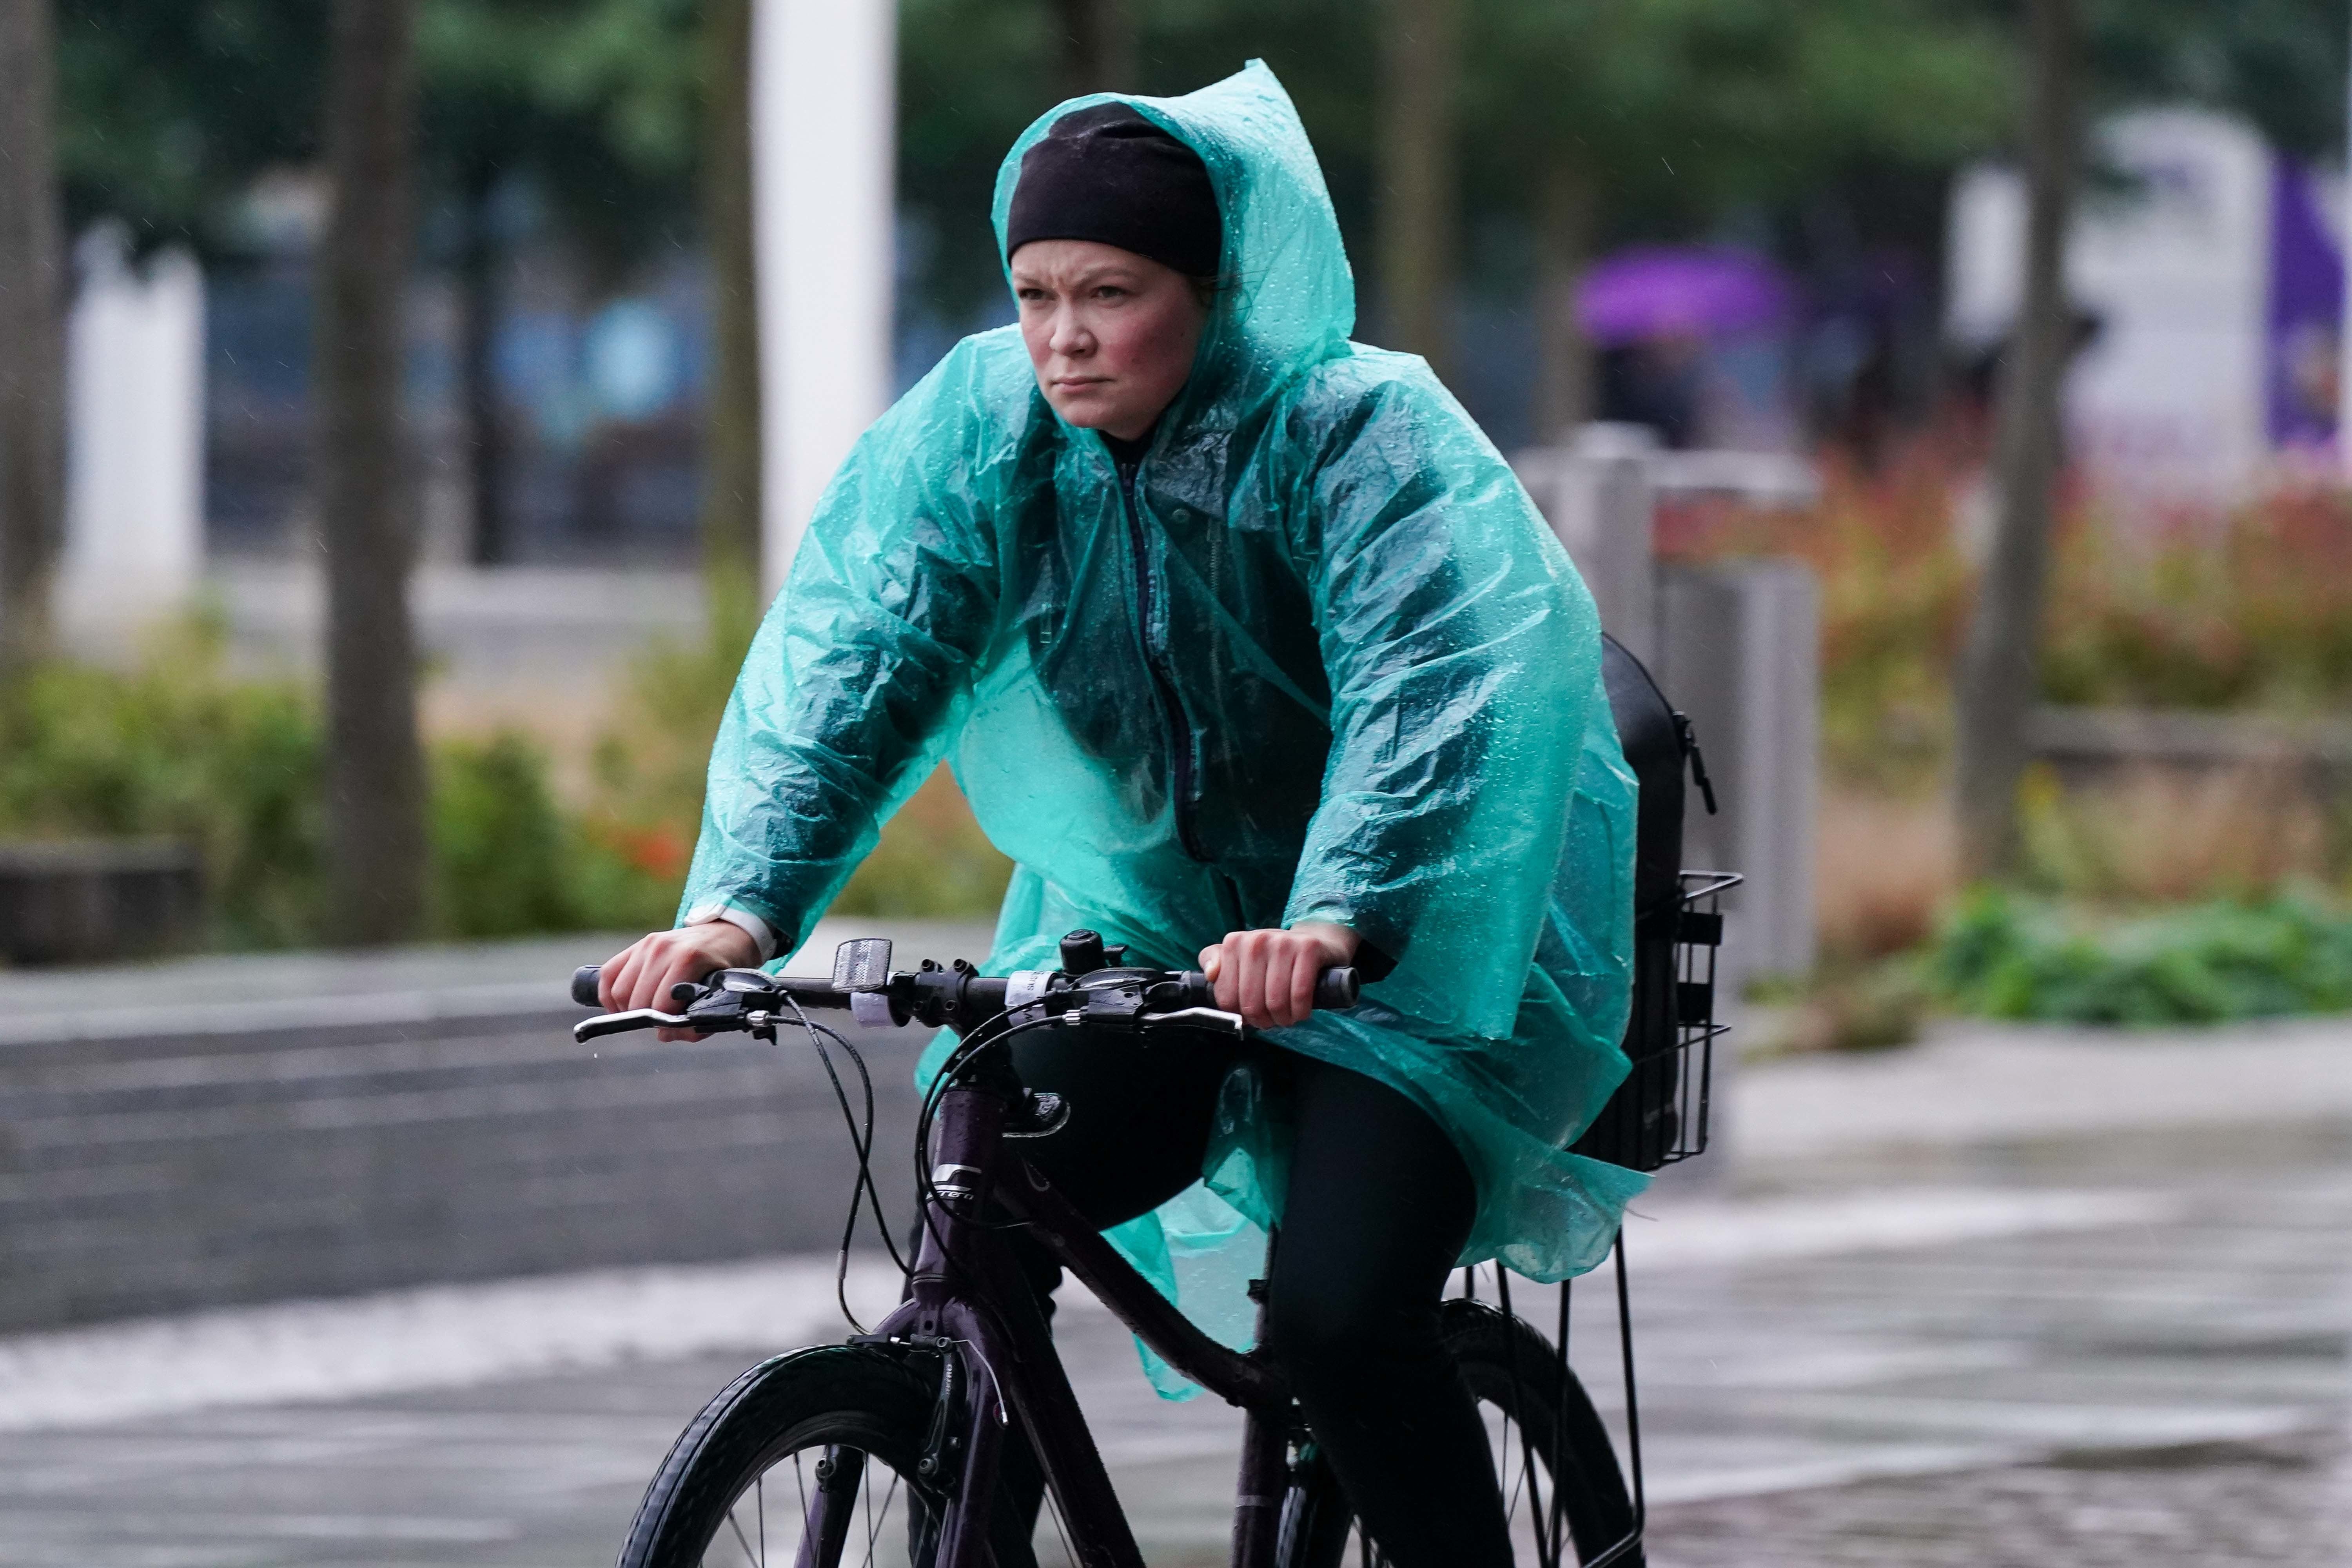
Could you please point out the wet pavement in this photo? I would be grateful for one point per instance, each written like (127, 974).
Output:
(2282, 1500)
(2119, 1343)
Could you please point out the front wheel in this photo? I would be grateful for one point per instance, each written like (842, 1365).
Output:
(1562, 1490)
(812, 1460)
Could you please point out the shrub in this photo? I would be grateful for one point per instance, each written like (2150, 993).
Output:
(2008, 957)
(511, 862)
(176, 747)
(933, 862)
(1893, 596)
(2247, 607)
(503, 856)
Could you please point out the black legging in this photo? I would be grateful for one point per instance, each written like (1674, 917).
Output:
(1378, 1205)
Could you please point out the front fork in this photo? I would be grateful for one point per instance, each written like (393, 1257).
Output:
(831, 1507)
(964, 1297)
(1000, 1364)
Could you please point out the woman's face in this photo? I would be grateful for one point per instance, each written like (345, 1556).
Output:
(1110, 333)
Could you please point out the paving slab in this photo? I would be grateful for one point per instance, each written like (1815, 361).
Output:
(2285, 1500)
(1971, 1082)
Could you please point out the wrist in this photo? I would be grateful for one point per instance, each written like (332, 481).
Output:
(727, 944)
(1337, 941)
(763, 943)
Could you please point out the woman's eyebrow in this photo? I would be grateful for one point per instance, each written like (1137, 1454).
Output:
(1091, 277)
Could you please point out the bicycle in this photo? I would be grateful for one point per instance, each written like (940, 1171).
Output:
(888, 1447)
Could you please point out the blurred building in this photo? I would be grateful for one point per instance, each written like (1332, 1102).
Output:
(2209, 271)
(598, 390)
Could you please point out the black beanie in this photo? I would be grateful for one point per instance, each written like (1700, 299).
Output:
(1108, 174)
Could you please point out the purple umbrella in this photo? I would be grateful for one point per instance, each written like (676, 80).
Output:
(1667, 291)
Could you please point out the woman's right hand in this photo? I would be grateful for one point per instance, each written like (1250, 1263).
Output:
(641, 974)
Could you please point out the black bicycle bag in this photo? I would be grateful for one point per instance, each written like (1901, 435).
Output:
(1658, 1115)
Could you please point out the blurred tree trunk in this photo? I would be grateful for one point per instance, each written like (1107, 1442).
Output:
(1999, 665)
(730, 455)
(1098, 46)
(32, 333)
(1566, 203)
(481, 303)
(375, 773)
(1419, 207)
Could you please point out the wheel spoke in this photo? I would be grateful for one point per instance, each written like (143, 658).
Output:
(874, 1531)
(742, 1543)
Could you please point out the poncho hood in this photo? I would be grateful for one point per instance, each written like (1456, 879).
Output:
(1286, 298)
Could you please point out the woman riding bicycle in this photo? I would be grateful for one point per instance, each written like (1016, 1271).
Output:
(1244, 643)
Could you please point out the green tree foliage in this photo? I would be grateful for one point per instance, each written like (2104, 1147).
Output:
(2280, 63)
(167, 112)
(598, 101)
(1676, 107)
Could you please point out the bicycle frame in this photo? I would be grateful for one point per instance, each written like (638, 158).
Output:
(968, 1302)
(966, 1295)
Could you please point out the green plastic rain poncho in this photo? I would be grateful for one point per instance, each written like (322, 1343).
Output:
(1337, 669)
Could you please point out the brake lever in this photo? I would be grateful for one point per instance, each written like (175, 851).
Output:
(1232, 1021)
(621, 1023)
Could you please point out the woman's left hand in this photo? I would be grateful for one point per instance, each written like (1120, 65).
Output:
(1268, 977)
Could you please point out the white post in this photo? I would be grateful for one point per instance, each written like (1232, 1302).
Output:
(1741, 655)
(824, 100)
(1596, 493)
(134, 463)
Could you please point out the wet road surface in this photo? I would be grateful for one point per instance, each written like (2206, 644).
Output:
(2122, 1348)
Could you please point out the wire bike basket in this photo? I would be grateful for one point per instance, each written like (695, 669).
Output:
(1658, 1116)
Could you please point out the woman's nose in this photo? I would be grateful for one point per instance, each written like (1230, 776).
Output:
(1070, 339)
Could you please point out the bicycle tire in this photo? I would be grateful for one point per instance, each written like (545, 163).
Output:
(836, 1400)
(1514, 1372)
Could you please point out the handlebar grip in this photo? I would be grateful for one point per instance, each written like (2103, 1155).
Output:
(1333, 988)
(584, 985)
(1337, 988)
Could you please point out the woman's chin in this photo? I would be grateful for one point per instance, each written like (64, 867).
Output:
(1085, 413)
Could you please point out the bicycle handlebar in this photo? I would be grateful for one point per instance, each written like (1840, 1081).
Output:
(1334, 988)
(739, 999)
